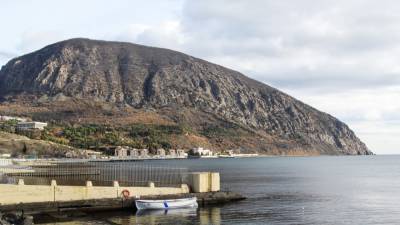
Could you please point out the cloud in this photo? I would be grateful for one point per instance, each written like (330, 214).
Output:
(299, 44)
(167, 33)
(33, 40)
(5, 56)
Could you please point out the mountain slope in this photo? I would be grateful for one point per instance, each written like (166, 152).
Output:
(176, 87)
(20, 145)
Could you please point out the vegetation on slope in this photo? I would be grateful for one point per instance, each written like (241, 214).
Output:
(139, 135)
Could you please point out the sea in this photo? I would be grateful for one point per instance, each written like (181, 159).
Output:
(284, 190)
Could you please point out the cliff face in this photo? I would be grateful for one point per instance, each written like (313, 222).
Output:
(171, 83)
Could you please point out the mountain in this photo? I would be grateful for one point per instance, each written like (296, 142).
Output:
(82, 81)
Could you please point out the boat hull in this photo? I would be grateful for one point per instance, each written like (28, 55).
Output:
(167, 204)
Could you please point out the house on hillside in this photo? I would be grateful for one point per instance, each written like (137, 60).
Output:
(7, 118)
(31, 125)
(144, 153)
(172, 153)
(201, 152)
(133, 153)
(121, 152)
(161, 152)
(90, 154)
(180, 153)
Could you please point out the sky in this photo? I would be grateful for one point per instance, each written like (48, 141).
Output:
(339, 56)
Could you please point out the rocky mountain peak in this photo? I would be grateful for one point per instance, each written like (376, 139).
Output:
(130, 75)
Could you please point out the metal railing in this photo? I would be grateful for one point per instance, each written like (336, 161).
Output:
(101, 173)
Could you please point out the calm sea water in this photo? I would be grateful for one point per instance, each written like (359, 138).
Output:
(287, 190)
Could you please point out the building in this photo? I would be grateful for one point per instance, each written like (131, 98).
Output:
(121, 151)
(181, 153)
(172, 152)
(144, 153)
(71, 154)
(161, 152)
(5, 156)
(90, 154)
(5, 162)
(31, 125)
(201, 152)
(231, 152)
(133, 153)
(6, 118)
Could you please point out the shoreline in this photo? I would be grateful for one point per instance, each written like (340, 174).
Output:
(61, 160)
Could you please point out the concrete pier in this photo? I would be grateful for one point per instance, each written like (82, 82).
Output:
(20, 193)
(46, 198)
(107, 204)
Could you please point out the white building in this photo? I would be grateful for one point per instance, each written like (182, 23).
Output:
(144, 153)
(6, 118)
(133, 153)
(121, 152)
(5, 162)
(31, 125)
(181, 153)
(202, 152)
(161, 152)
(90, 154)
(5, 156)
(172, 152)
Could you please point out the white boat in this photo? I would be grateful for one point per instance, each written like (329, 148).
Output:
(167, 204)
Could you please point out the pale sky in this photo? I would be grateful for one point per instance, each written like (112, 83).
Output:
(339, 56)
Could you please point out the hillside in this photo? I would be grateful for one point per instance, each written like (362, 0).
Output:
(122, 86)
(18, 145)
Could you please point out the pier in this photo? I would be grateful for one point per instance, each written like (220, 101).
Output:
(88, 186)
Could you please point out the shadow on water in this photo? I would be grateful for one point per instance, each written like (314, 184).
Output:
(267, 209)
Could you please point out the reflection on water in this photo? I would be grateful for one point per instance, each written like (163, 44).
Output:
(210, 216)
(200, 216)
(175, 216)
(164, 212)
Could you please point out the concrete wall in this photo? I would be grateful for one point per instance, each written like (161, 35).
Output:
(14, 194)
(204, 182)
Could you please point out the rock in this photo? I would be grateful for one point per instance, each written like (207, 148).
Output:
(16, 218)
(147, 78)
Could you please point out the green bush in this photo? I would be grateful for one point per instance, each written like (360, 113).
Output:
(9, 126)
(95, 136)
(215, 131)
(154, 136)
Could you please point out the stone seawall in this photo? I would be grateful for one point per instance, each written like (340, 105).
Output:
(15, 194)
